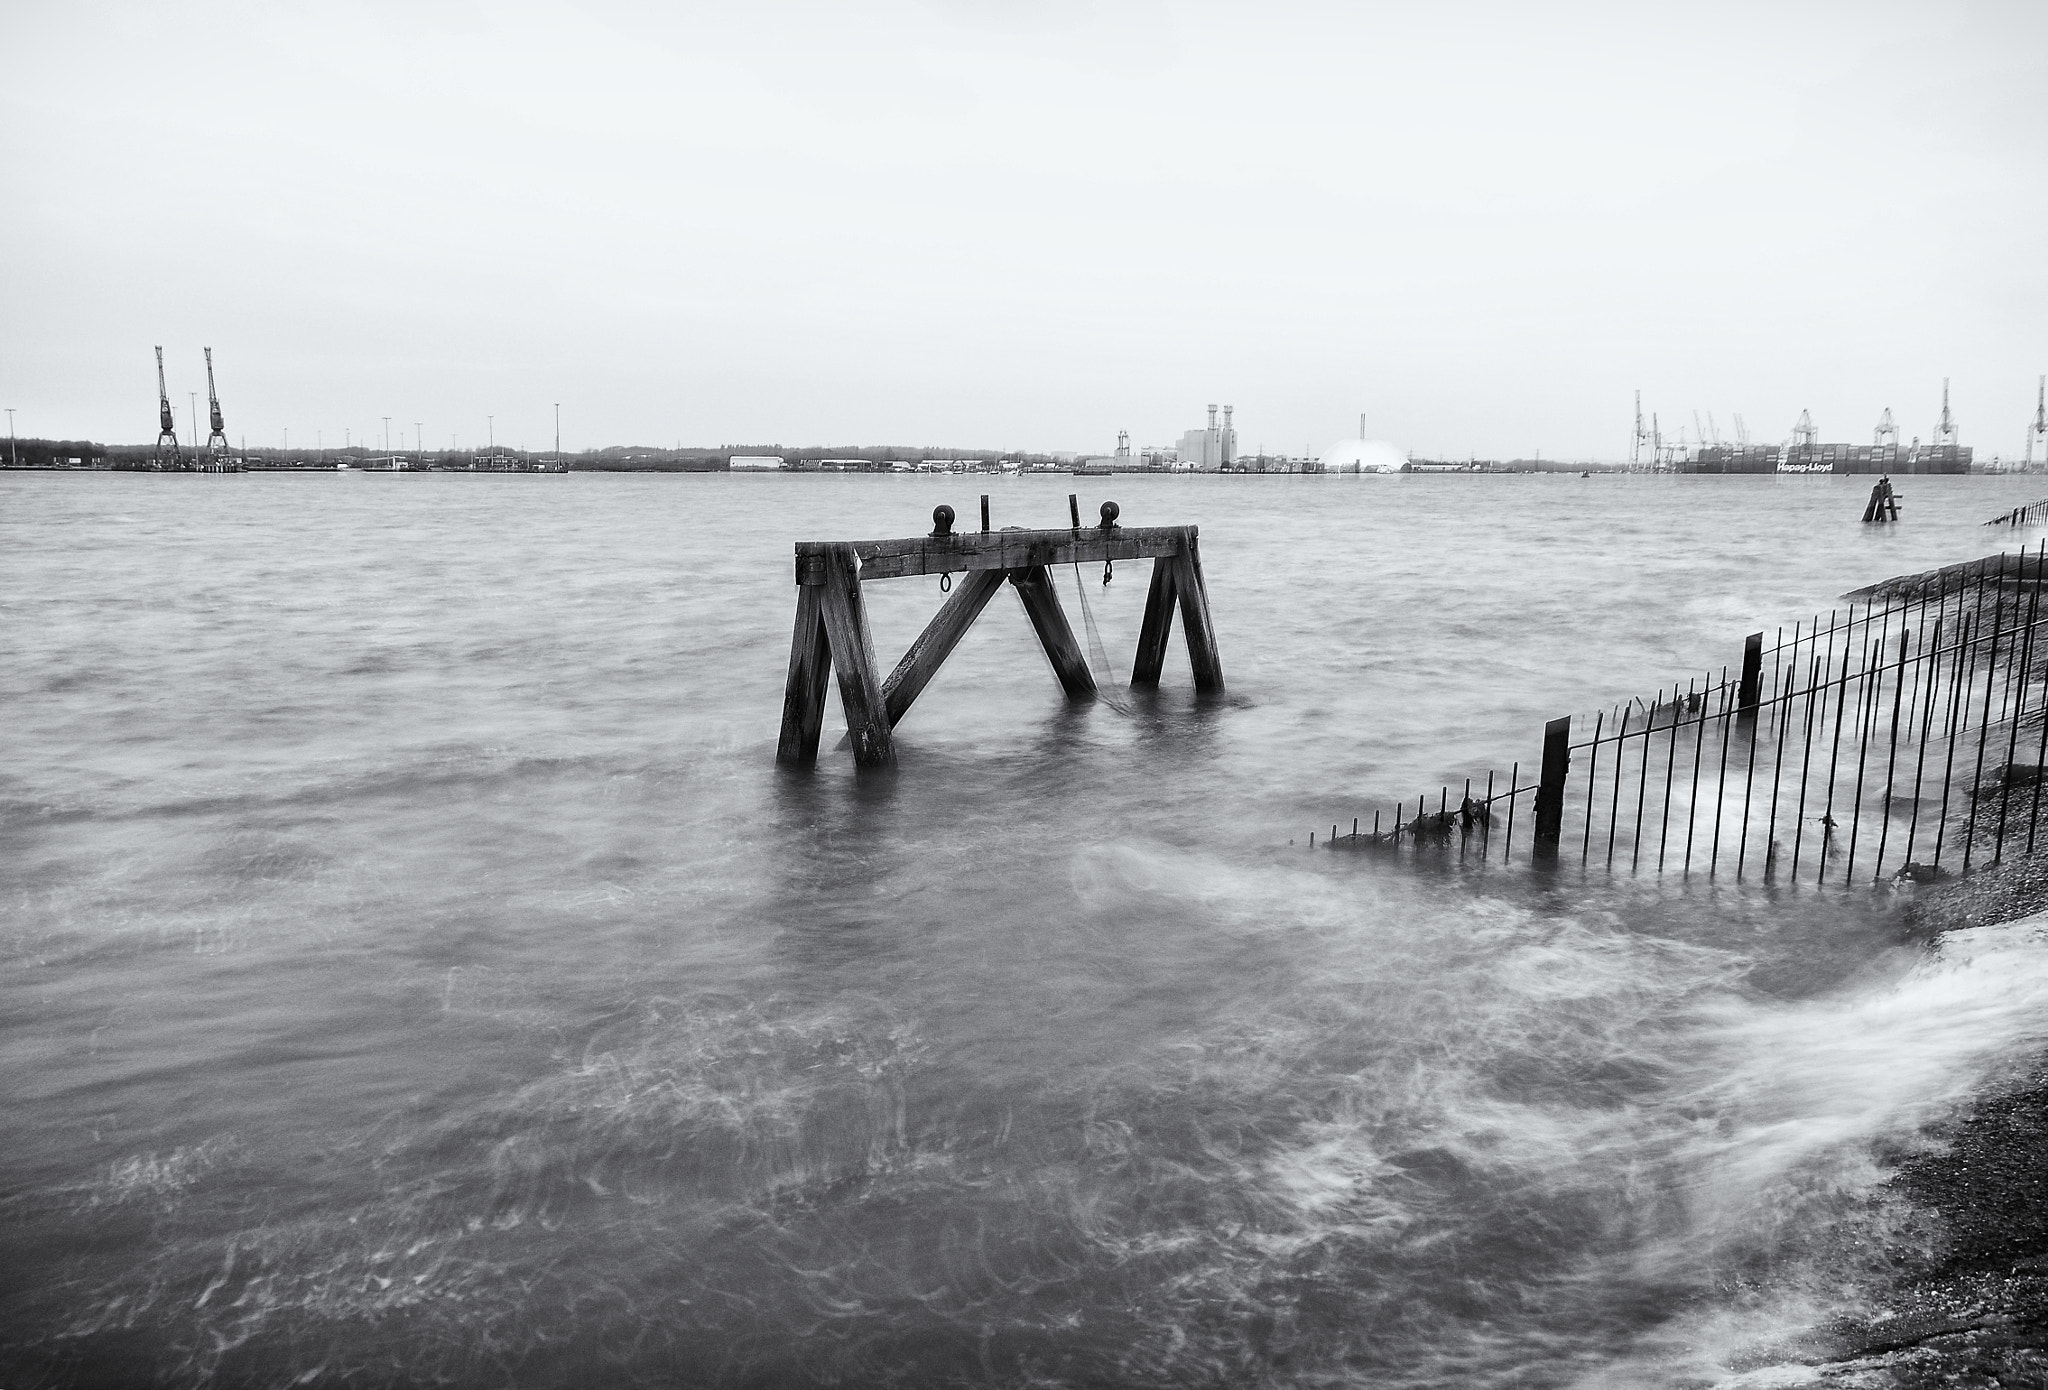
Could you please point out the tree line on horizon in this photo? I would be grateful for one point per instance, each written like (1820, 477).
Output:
(623, 458)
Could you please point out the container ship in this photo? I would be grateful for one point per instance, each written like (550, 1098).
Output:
(1806, 454)
(1828, 458)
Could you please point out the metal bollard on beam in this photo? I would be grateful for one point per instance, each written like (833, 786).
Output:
(1557, 757)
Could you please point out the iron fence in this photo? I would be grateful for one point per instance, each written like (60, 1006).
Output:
(1881, 742)
(2022, 516)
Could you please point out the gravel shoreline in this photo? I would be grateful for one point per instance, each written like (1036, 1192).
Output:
(1975, 1312)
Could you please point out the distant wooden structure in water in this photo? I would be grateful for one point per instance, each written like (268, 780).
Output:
(832, 623)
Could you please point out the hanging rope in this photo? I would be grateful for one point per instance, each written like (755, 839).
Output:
(1106, 684)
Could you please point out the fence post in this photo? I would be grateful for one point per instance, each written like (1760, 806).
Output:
(1748, 697)
(1557, 756)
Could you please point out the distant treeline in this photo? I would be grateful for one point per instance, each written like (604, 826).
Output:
(640, 458)
(618, 458)
(53, 453)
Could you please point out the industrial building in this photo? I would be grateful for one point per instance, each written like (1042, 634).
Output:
(1210, 449)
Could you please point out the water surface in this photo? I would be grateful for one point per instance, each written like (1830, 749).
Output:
(416, 967)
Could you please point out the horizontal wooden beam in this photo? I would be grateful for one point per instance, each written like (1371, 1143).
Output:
(996, 550)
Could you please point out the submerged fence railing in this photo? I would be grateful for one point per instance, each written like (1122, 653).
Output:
(1882, 743)
(2022, 516)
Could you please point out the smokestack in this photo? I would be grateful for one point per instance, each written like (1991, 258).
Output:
(1226, 415)
(1361, 426)
(1212, 417)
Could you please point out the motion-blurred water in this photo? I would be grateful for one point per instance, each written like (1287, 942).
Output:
(417, 970)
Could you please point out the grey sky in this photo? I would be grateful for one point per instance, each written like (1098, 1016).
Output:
(1025, 226)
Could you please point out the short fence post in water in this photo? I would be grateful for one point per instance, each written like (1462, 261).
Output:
(1507, 839)
(1752, 673)
(1557, 757)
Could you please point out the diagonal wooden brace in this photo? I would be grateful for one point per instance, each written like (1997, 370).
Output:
(943, 633)
(1049, 621)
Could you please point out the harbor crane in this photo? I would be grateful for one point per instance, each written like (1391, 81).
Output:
(217, 442)
(1805, 434)
(168, 452)
(1945, 432)
(1741, 431)
(2039, 429)
(1887, 429)
(1663, 457)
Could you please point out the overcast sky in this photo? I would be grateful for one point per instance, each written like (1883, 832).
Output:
(1025, 225)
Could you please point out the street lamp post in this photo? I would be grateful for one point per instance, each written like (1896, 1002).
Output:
(13, 453)
(387, 436)
(558, 430)
(419, 445)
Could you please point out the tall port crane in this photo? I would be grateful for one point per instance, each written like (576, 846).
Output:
(1805, 434)
(217, 442)
(168, 452)
(1887, 429)
(1945, 432)
(2039, 429)
(1636, 440)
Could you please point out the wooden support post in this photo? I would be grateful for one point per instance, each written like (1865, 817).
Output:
(1557, 756)
(1157, 627)
(984, 512)
(853, 657)
(1194, 620)
(803, 699)
(936, 642)
(1042, 603)
(1751, 689)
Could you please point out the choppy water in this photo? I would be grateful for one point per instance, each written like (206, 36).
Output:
(415, 968)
